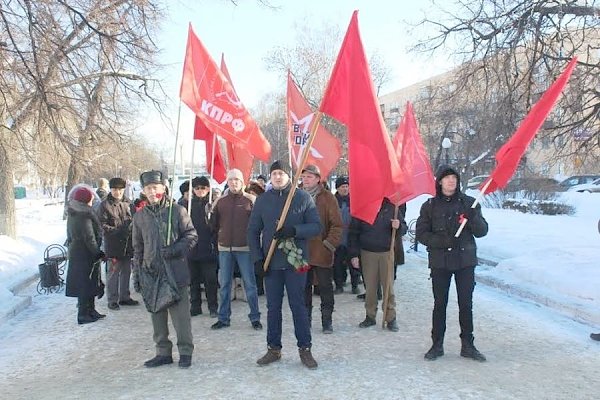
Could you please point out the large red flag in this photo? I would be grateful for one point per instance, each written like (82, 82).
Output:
(214, 163)
(350, 98)
(237, 156)
(208, 93)
(326, 149)
(509, 155)
(413, 159)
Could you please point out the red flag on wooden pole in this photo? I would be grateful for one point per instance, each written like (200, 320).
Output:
(326, 149)
(350, 98)
(209, 94)
(509, 155)
(413, 159)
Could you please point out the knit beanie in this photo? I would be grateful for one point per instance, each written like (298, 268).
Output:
(235, 173)
(83, 195)
(282, 166)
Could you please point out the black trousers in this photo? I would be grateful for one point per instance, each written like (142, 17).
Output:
(202, 271)
(464, 280)
(341, 263)
(324, 276)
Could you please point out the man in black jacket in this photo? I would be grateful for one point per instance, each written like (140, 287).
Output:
(438, 222)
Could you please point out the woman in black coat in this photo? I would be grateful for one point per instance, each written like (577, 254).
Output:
(84, 240)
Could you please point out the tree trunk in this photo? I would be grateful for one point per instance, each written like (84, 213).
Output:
(8, 222)
(74, 176)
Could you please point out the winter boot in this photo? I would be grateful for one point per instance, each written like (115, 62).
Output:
(595, 336)
(158, 361)
(195, 309)
(307, 358)
(83, 312)
(436, 351)
(468, 349)
(367, 322)
(339, 289)
(326, 323)
(271, 356)
(185, 361)
(93, 313)
(392, 326)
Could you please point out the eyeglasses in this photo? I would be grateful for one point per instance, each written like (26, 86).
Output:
(200, 187)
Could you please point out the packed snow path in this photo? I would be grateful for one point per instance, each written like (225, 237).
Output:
(532, 353)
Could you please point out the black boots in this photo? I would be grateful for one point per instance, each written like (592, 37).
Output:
(95, 314)
(468, 349)
(271, 356)
(595, 336)
(367, 322)
(185, 361)
(436, 351)
(84, 312)
(326, 323)
(160, 360)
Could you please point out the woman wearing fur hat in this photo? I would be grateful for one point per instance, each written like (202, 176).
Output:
(84, 240)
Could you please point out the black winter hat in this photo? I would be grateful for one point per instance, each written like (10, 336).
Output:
(261, 177)
(184, 187)
(341, 180)
(281, 165)
(200, 181)
(149, 177)
(117, 183)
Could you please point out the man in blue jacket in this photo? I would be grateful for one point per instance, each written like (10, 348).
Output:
(301, 223)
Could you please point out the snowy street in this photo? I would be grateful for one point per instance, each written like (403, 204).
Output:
(532, 352)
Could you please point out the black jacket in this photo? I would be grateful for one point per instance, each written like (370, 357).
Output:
(206, 248)
(377, 237)
(115, 219)
(84, 240)
(438, 222)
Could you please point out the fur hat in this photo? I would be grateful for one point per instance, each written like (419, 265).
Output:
(312, 169)
(149, 177)
(117, 183)
(200, 181)
(184, 187)
(83, 195)
(282, 166)
(341, 180)
(235, 173)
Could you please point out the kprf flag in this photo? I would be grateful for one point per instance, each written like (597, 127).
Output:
(509, 155)
(237, 156)
(208, 93)
(413, 159)
(326, 149)
(214, 160)
(350, 98)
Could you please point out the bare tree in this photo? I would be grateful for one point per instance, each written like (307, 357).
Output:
(511, 50)
(75, 71)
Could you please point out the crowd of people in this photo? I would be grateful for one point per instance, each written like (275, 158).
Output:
(176, 250)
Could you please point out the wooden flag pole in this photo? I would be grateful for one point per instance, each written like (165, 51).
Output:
(190, 188)
(169, 227)
(388, 279)
(477, 200)
(212, 166)
(288, 200)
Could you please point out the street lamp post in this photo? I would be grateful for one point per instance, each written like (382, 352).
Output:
(446, 144)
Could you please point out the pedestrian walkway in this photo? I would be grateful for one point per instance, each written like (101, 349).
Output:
(532, 353)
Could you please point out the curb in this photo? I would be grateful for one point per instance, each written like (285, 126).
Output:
(23, 301)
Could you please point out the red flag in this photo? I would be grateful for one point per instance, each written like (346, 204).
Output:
(350, 98)
(326, 149)
(413, 159)
(238, 156)
(509, 155)
(208, 93)
(216, 166)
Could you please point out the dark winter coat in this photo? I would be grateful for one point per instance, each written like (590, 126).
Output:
(438, 222)
(377, 237)
(344, 205)
(302, 215)
(115, 219)
(149, 237)
(322, 247)
(206, 248)
(84, 240)
(230, 216)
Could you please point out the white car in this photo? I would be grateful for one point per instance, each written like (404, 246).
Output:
(593, 187)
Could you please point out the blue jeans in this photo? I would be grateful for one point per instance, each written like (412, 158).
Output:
(226, 267)
(294, 284)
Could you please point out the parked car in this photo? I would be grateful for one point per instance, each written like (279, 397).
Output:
(533, 185)
(476, 181)
(593, 187)
(577, 180)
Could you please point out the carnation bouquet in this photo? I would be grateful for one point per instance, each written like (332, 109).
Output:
(294, 255)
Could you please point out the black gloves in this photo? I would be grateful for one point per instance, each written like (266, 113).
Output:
(285, 232)
(170, 252)
(100, 256)
(136, 283)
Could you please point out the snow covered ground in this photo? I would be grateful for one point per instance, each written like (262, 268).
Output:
(533, 351)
